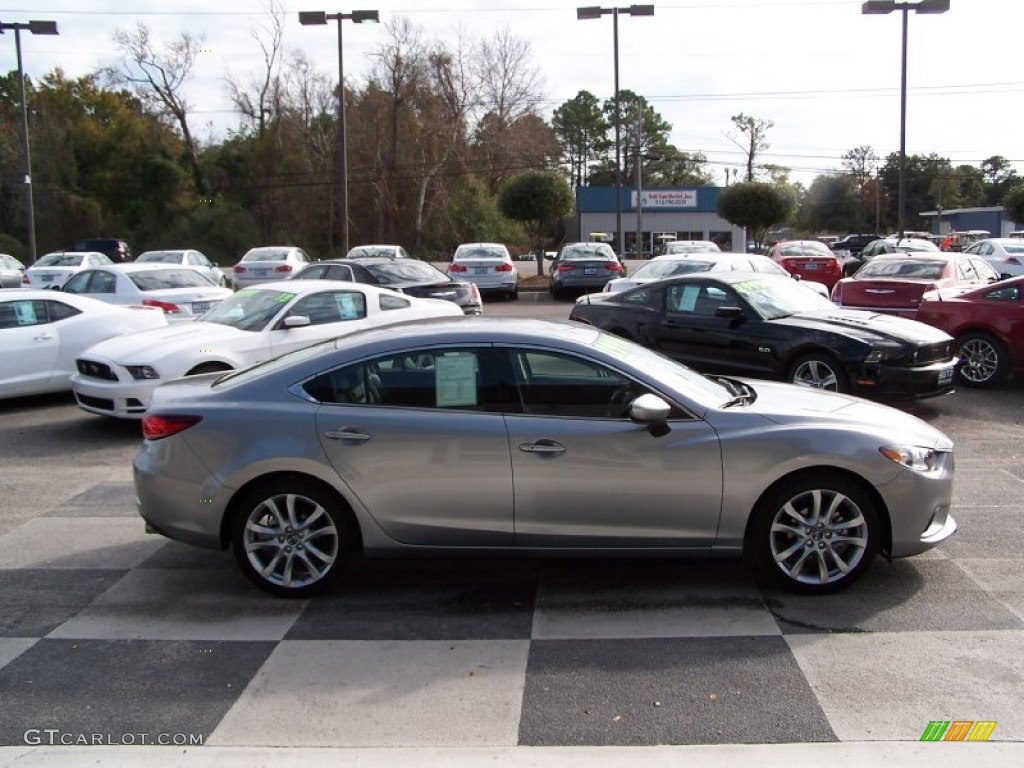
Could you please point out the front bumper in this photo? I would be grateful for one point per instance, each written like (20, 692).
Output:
(119, 399)
(880, 381)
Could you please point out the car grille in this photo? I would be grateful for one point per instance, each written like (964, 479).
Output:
(98, 403)
(95, 370)
(934, 353)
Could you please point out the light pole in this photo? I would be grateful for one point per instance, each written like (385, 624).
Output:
(359, 17)
(36, 28)
(596, 12)
(884, 7)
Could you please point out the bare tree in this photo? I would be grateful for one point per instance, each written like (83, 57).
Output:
(755, 131)
(260, 97)
(157, 77)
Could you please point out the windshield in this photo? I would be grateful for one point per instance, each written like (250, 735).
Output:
(406, 271)
(248, 310)
(916, 269)
(157, 279)
(781, 297)
(61, 260)
(655, 270)
(161, 257)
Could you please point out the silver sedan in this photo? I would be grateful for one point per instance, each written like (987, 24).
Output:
(507, 434)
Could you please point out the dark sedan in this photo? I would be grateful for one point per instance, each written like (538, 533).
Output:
(410, 276)
(771, 327)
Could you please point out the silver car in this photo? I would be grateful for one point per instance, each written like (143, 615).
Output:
(506, 434)
(12, 271)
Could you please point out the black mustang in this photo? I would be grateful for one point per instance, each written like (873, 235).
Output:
(770, 327)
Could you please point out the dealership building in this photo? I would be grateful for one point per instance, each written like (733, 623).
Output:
(684, 213)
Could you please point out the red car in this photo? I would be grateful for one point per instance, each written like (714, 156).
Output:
(810, 259)
(895, 283)
(988, 325)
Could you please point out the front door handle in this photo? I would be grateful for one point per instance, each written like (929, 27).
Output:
(347, 433)
(43, 337)
(542, 446)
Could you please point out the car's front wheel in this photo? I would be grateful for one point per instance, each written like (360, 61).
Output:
(292, 537)
(819, 371)
(983, 360)
(814, 534)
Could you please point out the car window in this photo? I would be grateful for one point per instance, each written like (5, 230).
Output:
(641, 296)
(406, 271)
(158, 279)
(590, 253)
(268, 254)
(58, 310)
(655, 270)
(341, 272)
(445, 379)
(388, 301)
(1004, 293)
(249, 309)
(481, 252)
(161, 257)
(985, 270)
(696, 299)
(554, 384)
(330, 307)
(916, 268)
(60, 260)
(102, 282)
(77, 283)
(966, 271)
(18, 314)
(97, 259)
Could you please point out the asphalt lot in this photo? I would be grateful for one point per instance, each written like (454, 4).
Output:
(104, 630)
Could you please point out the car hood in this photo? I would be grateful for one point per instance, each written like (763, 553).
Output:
(789, 404)
(147, 346)
(866, 326)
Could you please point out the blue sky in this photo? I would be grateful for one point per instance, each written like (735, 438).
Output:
(826, 75)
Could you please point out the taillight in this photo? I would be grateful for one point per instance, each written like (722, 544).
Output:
(157, 427)
(283, 268)
(837, 293)
(24, 280)
(503, 268)
(457, 268)
(474, 293)
(566, 267)
(239, 270)
(1012, 260)
(614, 266)
(166, 306)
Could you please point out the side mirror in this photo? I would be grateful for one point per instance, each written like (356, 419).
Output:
(652, 411)
(296, 321)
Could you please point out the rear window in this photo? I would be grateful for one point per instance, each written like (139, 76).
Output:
(805, 251)
(158, 279)
(405, 271)
(655, 270)
(161, 257)
(588, 253)
(61, 260)
(481, 252)
(915, 269)
(267, 255)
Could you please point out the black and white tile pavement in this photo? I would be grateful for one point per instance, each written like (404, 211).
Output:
(105, 630)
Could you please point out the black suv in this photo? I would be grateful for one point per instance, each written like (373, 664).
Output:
(117, 250)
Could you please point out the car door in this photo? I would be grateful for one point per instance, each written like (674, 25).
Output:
(29, 345)
(585, 475)
(419, 438)
(330, 313)
(691, 330)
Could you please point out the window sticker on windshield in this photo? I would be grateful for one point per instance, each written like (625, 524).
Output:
(283, 298)
(684, 300)
(348, 308)
(455, 379)
(25, 311)
(246, 293)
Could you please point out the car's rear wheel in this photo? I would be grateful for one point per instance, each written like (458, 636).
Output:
(819, 370)
(292, 537)
(815, 533)
(983, 359)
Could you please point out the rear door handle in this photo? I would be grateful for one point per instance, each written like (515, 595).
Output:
(542, 446)
(43, 337)
(347, 433)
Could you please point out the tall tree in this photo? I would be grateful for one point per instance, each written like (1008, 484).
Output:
(1013, 201)
(755, 206)
(582, 134)
(755, 138)
(158, 77)
(258, 98)
(862, 164)
(536, 199)
(999, 177)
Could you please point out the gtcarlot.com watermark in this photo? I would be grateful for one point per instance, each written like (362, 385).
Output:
(54, 737)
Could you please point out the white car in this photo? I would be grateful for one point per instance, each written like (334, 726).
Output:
(54, 269)
(267, 264)
(186, 257)
(671, 265)
(489, 265)
(377, 252)
(182, 293)
(117, 378)
(1005, 254)
(42, 332)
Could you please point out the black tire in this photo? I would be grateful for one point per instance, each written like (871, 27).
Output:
(804, 527)
(984, 360)
(556, 294)
(513, 294)
(292, 537)
(818, 370)
(209, 368)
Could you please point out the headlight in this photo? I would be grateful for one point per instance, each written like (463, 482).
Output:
(142, 372)
(912, 456)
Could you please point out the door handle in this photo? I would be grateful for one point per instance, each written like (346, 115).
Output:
(43, 337)
(542, 446)
(347, 433)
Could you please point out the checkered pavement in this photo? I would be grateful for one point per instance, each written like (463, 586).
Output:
(105, 630)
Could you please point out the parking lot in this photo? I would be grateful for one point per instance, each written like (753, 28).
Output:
(107, 631)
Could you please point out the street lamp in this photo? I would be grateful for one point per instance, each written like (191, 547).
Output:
(596, 12)
(359, 17)
(884, 7)
(36, 28)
